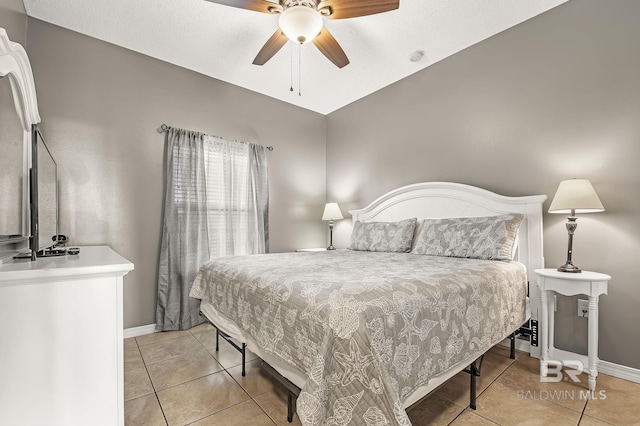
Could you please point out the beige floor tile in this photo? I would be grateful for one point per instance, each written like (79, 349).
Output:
(620, 407)
(246, 413)
(192, 387)
(143, 411)
(457, 388)
(590, 421)
(470, 418)
(228, 356)
(130, 343)
(136, 383)
(435, 410)
(524, 375)
(274, 403)
(132, 357)
(197, 399)
(167, 349)
(505, 405)
(160, 336)
(174, 371)
(256, 382)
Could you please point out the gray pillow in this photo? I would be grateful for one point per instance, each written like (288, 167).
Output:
(488, 237)
(383, 236)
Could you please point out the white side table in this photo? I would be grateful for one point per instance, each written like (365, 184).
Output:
(311, 249)
(591, 284)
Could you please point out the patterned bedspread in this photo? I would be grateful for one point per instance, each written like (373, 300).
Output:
(367, 328)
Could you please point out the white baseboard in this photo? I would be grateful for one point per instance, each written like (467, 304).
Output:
(139, 331)
(619, 371)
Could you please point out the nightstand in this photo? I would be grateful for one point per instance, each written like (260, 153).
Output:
(312, 249)
(591, 284)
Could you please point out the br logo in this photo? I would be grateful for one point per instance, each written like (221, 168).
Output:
(555, 373)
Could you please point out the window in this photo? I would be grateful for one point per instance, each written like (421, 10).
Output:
(228, 196)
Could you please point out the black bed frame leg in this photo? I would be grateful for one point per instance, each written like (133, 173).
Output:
(290, 407)
(243, 351)
(474, 371)
(512, 353)
(292, 390)
(472, 396)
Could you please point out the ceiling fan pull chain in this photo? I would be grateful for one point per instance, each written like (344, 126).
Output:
(291, 51)
(300, 69)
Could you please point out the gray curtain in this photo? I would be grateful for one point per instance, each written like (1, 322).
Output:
(216, 204)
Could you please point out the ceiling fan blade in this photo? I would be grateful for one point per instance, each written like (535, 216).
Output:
(330, 48)
(342, 9)
(264, 6)
(271, 47)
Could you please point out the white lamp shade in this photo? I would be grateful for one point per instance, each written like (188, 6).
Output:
(300, 24)
(332, 212)
(578, 195)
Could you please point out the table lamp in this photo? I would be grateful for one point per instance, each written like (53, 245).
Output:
(574, 196)
(331, 212)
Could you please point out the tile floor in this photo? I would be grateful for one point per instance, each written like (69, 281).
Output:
(177, 378)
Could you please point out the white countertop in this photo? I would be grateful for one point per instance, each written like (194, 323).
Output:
(91, 259)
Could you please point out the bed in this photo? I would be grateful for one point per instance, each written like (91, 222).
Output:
(367, 332)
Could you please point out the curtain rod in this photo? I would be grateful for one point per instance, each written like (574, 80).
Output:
(164, 128)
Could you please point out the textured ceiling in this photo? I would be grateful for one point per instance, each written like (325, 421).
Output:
(221, 41)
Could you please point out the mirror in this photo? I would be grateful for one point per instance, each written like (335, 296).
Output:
(13, 182)
(15, 150)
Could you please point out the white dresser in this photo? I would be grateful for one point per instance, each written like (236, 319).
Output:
(61, 339)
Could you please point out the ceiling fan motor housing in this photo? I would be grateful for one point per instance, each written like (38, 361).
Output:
(301, 22)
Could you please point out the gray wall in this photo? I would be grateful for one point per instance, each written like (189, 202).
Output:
(101, 106)
(553, 98)
(13, 19)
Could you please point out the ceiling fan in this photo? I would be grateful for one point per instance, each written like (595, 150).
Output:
(301, 22)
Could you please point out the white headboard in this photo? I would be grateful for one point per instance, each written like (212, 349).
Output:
(446, 199)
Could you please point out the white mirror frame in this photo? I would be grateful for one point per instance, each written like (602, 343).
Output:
(15, 64)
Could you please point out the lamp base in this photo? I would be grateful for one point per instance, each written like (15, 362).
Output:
(571, 229)
(569, 267)
(331, 247)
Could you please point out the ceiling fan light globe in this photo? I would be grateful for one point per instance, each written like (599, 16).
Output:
(300, 24)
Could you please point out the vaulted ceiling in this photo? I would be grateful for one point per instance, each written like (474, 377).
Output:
(221, 41)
